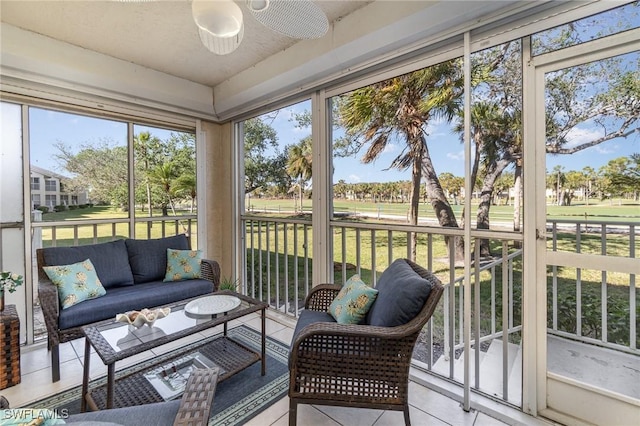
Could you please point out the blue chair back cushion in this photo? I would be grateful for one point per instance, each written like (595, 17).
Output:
(402, 294)
(110, 260)
(148, 258)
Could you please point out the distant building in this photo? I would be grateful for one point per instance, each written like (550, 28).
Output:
(47, 190)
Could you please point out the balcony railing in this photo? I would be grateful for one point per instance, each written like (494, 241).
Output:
(601, 308)
(278, 270)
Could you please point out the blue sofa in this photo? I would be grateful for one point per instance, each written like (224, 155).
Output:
(132, 273)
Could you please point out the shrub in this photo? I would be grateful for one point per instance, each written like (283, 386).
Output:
(83, 206)
(73, 207)
(60, 208)
(43, 209)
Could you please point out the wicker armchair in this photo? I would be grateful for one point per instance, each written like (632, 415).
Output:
(355, 365)
(50, 305)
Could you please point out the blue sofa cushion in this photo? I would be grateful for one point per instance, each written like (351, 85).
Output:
(110, 260)
(148, 258)
(401, 296)
(123, 299)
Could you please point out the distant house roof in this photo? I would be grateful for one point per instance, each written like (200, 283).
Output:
(46, 173)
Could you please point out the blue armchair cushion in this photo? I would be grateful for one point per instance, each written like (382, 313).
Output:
(110, 260)
(148, 258)
(402, 294)
(76, 282)
(353, 301)
(182, 265)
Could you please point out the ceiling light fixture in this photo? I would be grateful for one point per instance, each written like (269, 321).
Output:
(219, 24)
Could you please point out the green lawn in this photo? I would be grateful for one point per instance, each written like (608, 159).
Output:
(264, 261)
(609, 210)
(73, 234)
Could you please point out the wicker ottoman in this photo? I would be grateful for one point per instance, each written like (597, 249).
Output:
(9, 347)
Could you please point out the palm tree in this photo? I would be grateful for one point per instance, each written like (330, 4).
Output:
(186, 184)
(299, 164)
(147, 149)
(163, 176)
(400, 108)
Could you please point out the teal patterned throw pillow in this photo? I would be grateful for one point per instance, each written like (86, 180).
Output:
(353, 301)
(76, 282)
(182, 265)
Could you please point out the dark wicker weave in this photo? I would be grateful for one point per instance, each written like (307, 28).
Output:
(9, 347)
(196, 402)
(48, 296)
(195, 405)
(355, 365)
(134, 389)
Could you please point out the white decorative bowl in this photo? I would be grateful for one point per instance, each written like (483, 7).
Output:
(142, 317)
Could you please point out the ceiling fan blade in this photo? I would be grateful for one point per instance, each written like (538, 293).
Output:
(301, 19)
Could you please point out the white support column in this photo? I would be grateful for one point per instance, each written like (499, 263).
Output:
(468, 188)
(322, 189)
(533, 298)
(201, 187)
(132, 184)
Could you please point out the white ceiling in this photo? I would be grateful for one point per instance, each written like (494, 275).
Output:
(149, 54)
(159, 35)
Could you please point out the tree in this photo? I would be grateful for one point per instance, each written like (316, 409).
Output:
(622, 176)
(186, 185)
(100, 168)
(163, 175)
(299, 164)
(147, 151)
(401, 107)
(263, 164)
(452, 185)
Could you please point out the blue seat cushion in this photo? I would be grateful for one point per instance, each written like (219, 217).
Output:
(310, 317)
(122, 299)
(110, 260)
(160, 413)
(402, 294)
(148, 258)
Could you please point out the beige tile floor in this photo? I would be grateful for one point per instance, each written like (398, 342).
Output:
(427, 406)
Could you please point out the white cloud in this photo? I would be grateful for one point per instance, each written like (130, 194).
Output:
(604, 150)
(390, 147)
(354, 178)
(578, 136)
(458, 156)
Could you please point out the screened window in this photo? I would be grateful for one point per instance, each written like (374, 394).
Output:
(50, 185)
(35, 183)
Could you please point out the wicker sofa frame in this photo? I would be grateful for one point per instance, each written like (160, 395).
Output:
(50, 304)
(355, 365)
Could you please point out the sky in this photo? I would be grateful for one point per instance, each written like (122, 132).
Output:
(447, 152)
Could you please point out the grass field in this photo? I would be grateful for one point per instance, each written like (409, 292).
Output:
(261, 263)
(609, 210)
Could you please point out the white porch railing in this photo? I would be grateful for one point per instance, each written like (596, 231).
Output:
(278, 270)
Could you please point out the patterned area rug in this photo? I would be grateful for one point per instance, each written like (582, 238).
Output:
(237, 400)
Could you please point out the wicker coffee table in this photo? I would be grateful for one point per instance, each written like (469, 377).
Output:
(114, 341)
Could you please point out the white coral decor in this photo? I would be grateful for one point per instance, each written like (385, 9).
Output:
(142, 317)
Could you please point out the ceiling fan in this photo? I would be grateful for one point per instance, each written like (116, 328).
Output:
(221, 28)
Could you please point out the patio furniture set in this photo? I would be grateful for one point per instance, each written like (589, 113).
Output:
(352, 345)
